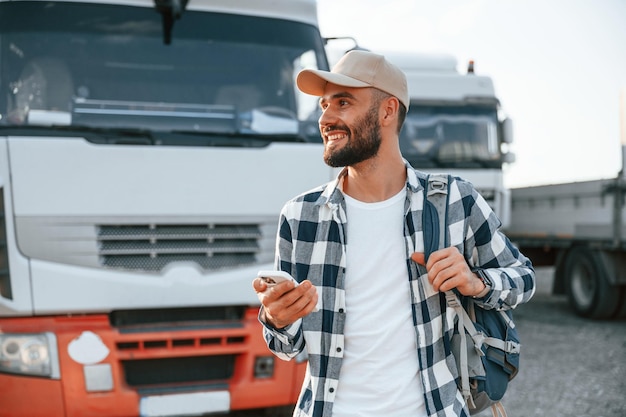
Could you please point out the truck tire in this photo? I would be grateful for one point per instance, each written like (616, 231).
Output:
(621, 310)
(587, 285)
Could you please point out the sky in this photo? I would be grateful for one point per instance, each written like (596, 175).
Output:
(558, 66)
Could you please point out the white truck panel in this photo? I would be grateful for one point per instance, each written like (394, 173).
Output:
(21, 295)
(58, 214)
(581, 210)
(79, 289)
(118, 180)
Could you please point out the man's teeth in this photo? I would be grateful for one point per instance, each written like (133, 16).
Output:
(336, 136)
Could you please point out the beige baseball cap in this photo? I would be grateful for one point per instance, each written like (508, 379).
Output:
(357, 69)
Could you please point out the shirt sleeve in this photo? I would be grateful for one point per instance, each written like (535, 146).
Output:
(505, 269)
(288, 342)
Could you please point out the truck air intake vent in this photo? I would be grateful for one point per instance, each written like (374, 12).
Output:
(152, 247)
(176, 318)
(161, 371)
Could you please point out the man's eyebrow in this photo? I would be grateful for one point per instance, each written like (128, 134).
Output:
(342, 94)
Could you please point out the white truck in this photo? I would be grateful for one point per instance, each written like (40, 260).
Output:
(579, 229)
(456, 124)
(146, 149)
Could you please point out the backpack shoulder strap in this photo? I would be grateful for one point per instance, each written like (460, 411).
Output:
(434, 213)
(435, 225)
(434, 220)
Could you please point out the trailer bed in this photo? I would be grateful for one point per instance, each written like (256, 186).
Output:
(571, 211)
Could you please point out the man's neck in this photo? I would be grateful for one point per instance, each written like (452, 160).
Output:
(374, 180)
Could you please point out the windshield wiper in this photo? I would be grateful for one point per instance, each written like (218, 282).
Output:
(237, 139)
(127, 136)
(469, 162)
(133, 136)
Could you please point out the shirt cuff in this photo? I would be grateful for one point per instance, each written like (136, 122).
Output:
(484, 294)
(286, 334)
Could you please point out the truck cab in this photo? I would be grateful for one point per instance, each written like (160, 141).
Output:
(146, 149)
(455, 124)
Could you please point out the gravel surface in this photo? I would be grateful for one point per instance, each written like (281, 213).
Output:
(569, 366)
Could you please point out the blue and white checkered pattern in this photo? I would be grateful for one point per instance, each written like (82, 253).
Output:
(311, 245)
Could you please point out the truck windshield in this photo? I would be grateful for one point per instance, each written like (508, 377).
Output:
(107, 67)
(451, 137)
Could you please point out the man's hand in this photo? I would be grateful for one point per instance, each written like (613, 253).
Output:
(284, 303)
(447, 269)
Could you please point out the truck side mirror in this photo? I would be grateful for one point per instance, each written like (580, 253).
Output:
(507, 130)
(508, 158)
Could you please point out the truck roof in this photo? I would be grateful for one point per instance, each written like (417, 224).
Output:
(424, 62)
(298, 10)
(435, 77)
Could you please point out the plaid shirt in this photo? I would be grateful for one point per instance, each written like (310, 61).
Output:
(311, 245)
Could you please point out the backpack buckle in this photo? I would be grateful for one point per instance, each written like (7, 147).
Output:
(512, 347)
(438, 184)
(452, 300)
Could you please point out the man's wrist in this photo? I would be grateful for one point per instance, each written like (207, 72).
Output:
(486, 284)
(268, 321)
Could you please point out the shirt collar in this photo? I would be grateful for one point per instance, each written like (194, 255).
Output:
(333, 194)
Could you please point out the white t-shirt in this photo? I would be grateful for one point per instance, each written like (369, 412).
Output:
(380, 373)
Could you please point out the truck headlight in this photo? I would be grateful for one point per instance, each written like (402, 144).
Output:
(29, 354)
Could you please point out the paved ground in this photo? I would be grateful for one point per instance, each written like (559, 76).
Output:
(569, 366)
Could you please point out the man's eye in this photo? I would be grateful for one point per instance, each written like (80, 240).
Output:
(343, 102)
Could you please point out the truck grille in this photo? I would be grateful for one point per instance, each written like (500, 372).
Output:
(175, 318)
(162, 348)
(151, 372)
(152, 247)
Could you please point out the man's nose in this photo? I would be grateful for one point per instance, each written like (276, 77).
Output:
(327, 118)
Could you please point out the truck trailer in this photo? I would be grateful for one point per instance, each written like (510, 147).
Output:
(579, 229)
(146, 148)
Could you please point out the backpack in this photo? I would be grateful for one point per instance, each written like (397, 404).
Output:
(485, 343)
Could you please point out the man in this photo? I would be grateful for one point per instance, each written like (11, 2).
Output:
(379, 344)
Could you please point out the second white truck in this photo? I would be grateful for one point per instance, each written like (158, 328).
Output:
(456, 124)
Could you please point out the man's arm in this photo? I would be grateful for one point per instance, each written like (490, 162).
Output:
(284, 305)
(509, 274)
(499, 276)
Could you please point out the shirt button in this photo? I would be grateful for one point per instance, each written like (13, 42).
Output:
(341, 310)
(338, 349)
(331, 390)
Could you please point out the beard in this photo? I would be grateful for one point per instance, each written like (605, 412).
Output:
(363, 141)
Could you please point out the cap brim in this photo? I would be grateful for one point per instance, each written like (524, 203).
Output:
(314, 82)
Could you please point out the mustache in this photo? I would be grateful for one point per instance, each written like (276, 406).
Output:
(332, 128)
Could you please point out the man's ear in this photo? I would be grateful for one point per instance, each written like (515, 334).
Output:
(390, 108)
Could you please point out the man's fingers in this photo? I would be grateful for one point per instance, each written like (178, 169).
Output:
(259, 285)
(435, 257)
(418, 257)
(448, 284)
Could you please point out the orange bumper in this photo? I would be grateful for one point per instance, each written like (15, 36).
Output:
(143, 364)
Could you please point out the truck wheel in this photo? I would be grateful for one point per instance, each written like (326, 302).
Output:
(588, 289)
(621, 311)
